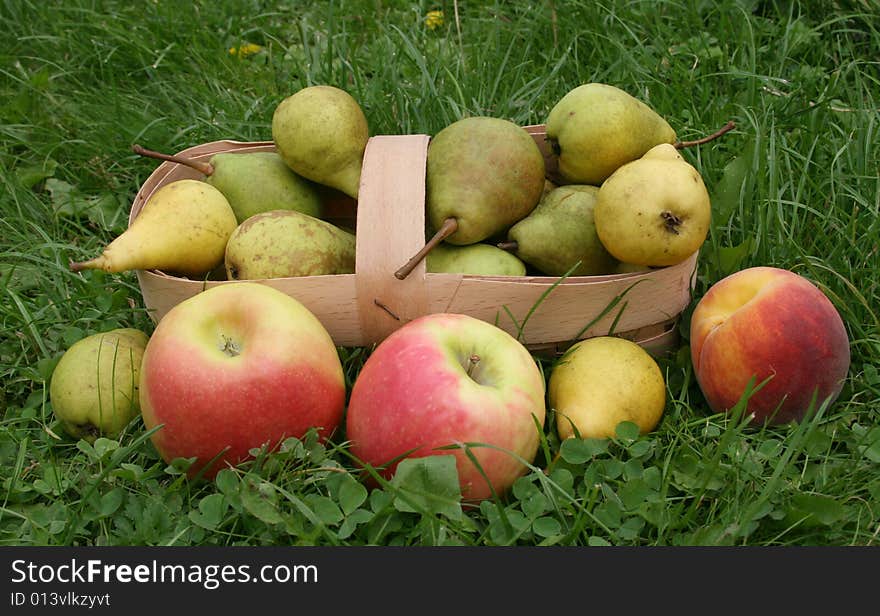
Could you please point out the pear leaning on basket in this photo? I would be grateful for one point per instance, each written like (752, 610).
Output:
(285, 243)
(483, 174)
(183, 228)
(321, 133)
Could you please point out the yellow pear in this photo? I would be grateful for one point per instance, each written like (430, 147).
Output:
(321, 133)
(654, 211)
(94, 387)
(182, 229)
(600, 382)
(595, 128)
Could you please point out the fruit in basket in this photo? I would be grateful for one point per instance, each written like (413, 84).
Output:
(94, 387)
(478, 259)
(182, 229)
(235, 367)
(654, 211)
(768, 323)
(602, 381)
(560, 234)
(486, 173)
(321, 133)
(595, 128)
(285, 243)
(252, 182)
(445, 380)
(483, 175)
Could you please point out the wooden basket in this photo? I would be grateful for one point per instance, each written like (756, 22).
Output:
(361, 309)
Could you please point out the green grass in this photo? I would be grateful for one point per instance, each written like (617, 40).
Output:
(795, 185)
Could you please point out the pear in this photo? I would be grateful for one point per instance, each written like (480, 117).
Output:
(183, 229)
(595, 128)
(602, 381)
(560, 234)
(94, 387)
(287, 243)
(477, 259)
(321, 133)
(252, 182)
(654, 211)
(483, 174)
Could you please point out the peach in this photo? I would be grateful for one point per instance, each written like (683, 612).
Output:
(768, 324)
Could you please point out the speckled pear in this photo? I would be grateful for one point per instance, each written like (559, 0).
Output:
(286, 243)
(595, 128)
(321, 133)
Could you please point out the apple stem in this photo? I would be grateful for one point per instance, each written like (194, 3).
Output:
(680, 145)
(473, 360)
(230, 347)
(198, 165)
(511, 246)
(450, 226)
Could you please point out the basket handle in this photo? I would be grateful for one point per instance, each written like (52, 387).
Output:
(390, 229)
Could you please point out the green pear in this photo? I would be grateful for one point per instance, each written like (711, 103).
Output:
(654, 211)
(560, 234)
(321, 133)
(479, 259)
(483, 174)
(287, 243)
(252, 182)
(94, 387)
(256, 182)
(182, 228)
(595, 128)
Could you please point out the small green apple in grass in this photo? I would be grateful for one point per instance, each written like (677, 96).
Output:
(236, 367)
(768, 324)
(449, 379)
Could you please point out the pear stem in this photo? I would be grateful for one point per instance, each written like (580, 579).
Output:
(680, 145)
(450, 226)
(78, 266)
(198, 165)
(511, 246)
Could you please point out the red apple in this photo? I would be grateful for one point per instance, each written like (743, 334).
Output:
(447, 379)
(766, 322)
(235, 367)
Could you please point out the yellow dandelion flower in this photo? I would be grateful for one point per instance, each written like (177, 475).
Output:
(243, 51)
(434, 19)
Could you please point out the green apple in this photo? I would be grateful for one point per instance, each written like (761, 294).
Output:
(94, 387)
